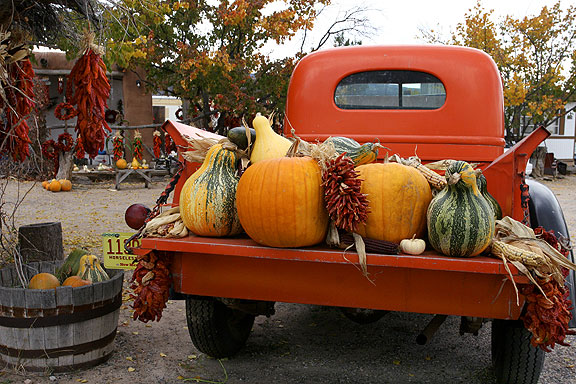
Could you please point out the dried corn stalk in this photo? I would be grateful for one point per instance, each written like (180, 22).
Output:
(539, 258)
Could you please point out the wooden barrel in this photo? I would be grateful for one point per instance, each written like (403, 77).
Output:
(61, 329)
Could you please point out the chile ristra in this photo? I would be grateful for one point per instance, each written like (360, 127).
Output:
(460, 220)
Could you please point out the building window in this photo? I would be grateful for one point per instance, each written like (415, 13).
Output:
(553, 127)
(390, 90)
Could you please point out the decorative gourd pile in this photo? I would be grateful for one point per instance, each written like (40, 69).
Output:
(79, 269)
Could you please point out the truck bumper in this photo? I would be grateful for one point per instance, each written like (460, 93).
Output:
(428, 283)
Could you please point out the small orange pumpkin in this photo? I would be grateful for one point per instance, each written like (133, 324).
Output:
(45, 184)
(55, 186)
(66, 185)
(43, 280)
(75, 281)
(121, 164)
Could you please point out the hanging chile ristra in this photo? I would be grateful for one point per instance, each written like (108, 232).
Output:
(137, 145)
(90, 94)
(118, 146)
(18, 103)
(157, 141)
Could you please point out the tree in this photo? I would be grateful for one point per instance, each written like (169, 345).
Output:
(536, 58)
(208, 53)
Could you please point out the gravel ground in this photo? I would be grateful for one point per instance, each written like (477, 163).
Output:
(299, 344)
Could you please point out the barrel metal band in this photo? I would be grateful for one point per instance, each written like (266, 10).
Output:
(80, 313)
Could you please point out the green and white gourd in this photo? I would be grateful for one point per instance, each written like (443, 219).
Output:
(460, 220)
(208, 197)
(360, 154)
(483, 187)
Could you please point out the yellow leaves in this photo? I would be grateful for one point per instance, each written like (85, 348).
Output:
(515, 91)
(131, 369)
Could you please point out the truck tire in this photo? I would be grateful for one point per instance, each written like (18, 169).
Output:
(514, 359)
(215, 329)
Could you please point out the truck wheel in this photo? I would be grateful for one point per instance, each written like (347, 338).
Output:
(215, 329)
(514, 359)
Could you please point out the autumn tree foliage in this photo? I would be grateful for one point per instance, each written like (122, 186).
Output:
(210, 53)
(536, 58)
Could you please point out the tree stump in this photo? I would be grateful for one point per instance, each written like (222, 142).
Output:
(41, 242)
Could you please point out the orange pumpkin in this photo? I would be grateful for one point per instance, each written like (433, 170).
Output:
(121, 164)
(280, 202)
(45, 184)
(43, 280)
(66, 185)
(55, 186)
(398, 198)
(75, 281)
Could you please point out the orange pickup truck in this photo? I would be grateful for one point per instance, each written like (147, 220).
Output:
(438, 102)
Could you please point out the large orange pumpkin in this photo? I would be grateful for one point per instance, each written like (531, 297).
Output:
(121, 164)
(55, 186)
(398, 198)
(43, 280)
(66, 185)
(280, 202)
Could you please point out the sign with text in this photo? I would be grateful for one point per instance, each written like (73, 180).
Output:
(114, 253)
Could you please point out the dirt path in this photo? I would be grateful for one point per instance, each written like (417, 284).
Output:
(299, 344)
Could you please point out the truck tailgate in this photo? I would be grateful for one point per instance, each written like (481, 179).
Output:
(427, 283)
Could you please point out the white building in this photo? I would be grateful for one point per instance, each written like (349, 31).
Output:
(562, 140)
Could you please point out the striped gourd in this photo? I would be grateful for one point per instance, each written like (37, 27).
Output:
(208, 198)
(483, 187)
(360, 154)
(91, 270)
(460, 220)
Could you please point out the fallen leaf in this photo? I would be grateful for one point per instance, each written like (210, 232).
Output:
(129, 358)
(130, 369)
(135, 333)
(82, 380)
(396, 362)
(162, 354)
(191, 357)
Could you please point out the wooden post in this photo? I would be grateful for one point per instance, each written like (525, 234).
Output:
(41, 242)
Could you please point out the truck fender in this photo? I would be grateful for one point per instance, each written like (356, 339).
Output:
(545, 211)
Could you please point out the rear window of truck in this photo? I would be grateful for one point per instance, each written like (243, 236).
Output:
(390, 90)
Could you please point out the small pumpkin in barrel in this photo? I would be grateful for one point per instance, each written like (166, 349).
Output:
(43, 280)
(280, 202)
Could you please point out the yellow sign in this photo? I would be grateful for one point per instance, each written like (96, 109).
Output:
(114, 253)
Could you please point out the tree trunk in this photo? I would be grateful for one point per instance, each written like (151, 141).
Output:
(66, 162)
(41, 242)
(537, 160)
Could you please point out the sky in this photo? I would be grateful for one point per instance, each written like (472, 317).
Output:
(398, 21)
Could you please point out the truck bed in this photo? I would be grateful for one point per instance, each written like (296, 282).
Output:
(428, 283)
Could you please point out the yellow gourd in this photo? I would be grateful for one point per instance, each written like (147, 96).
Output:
(135, 164)
(268, 144)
